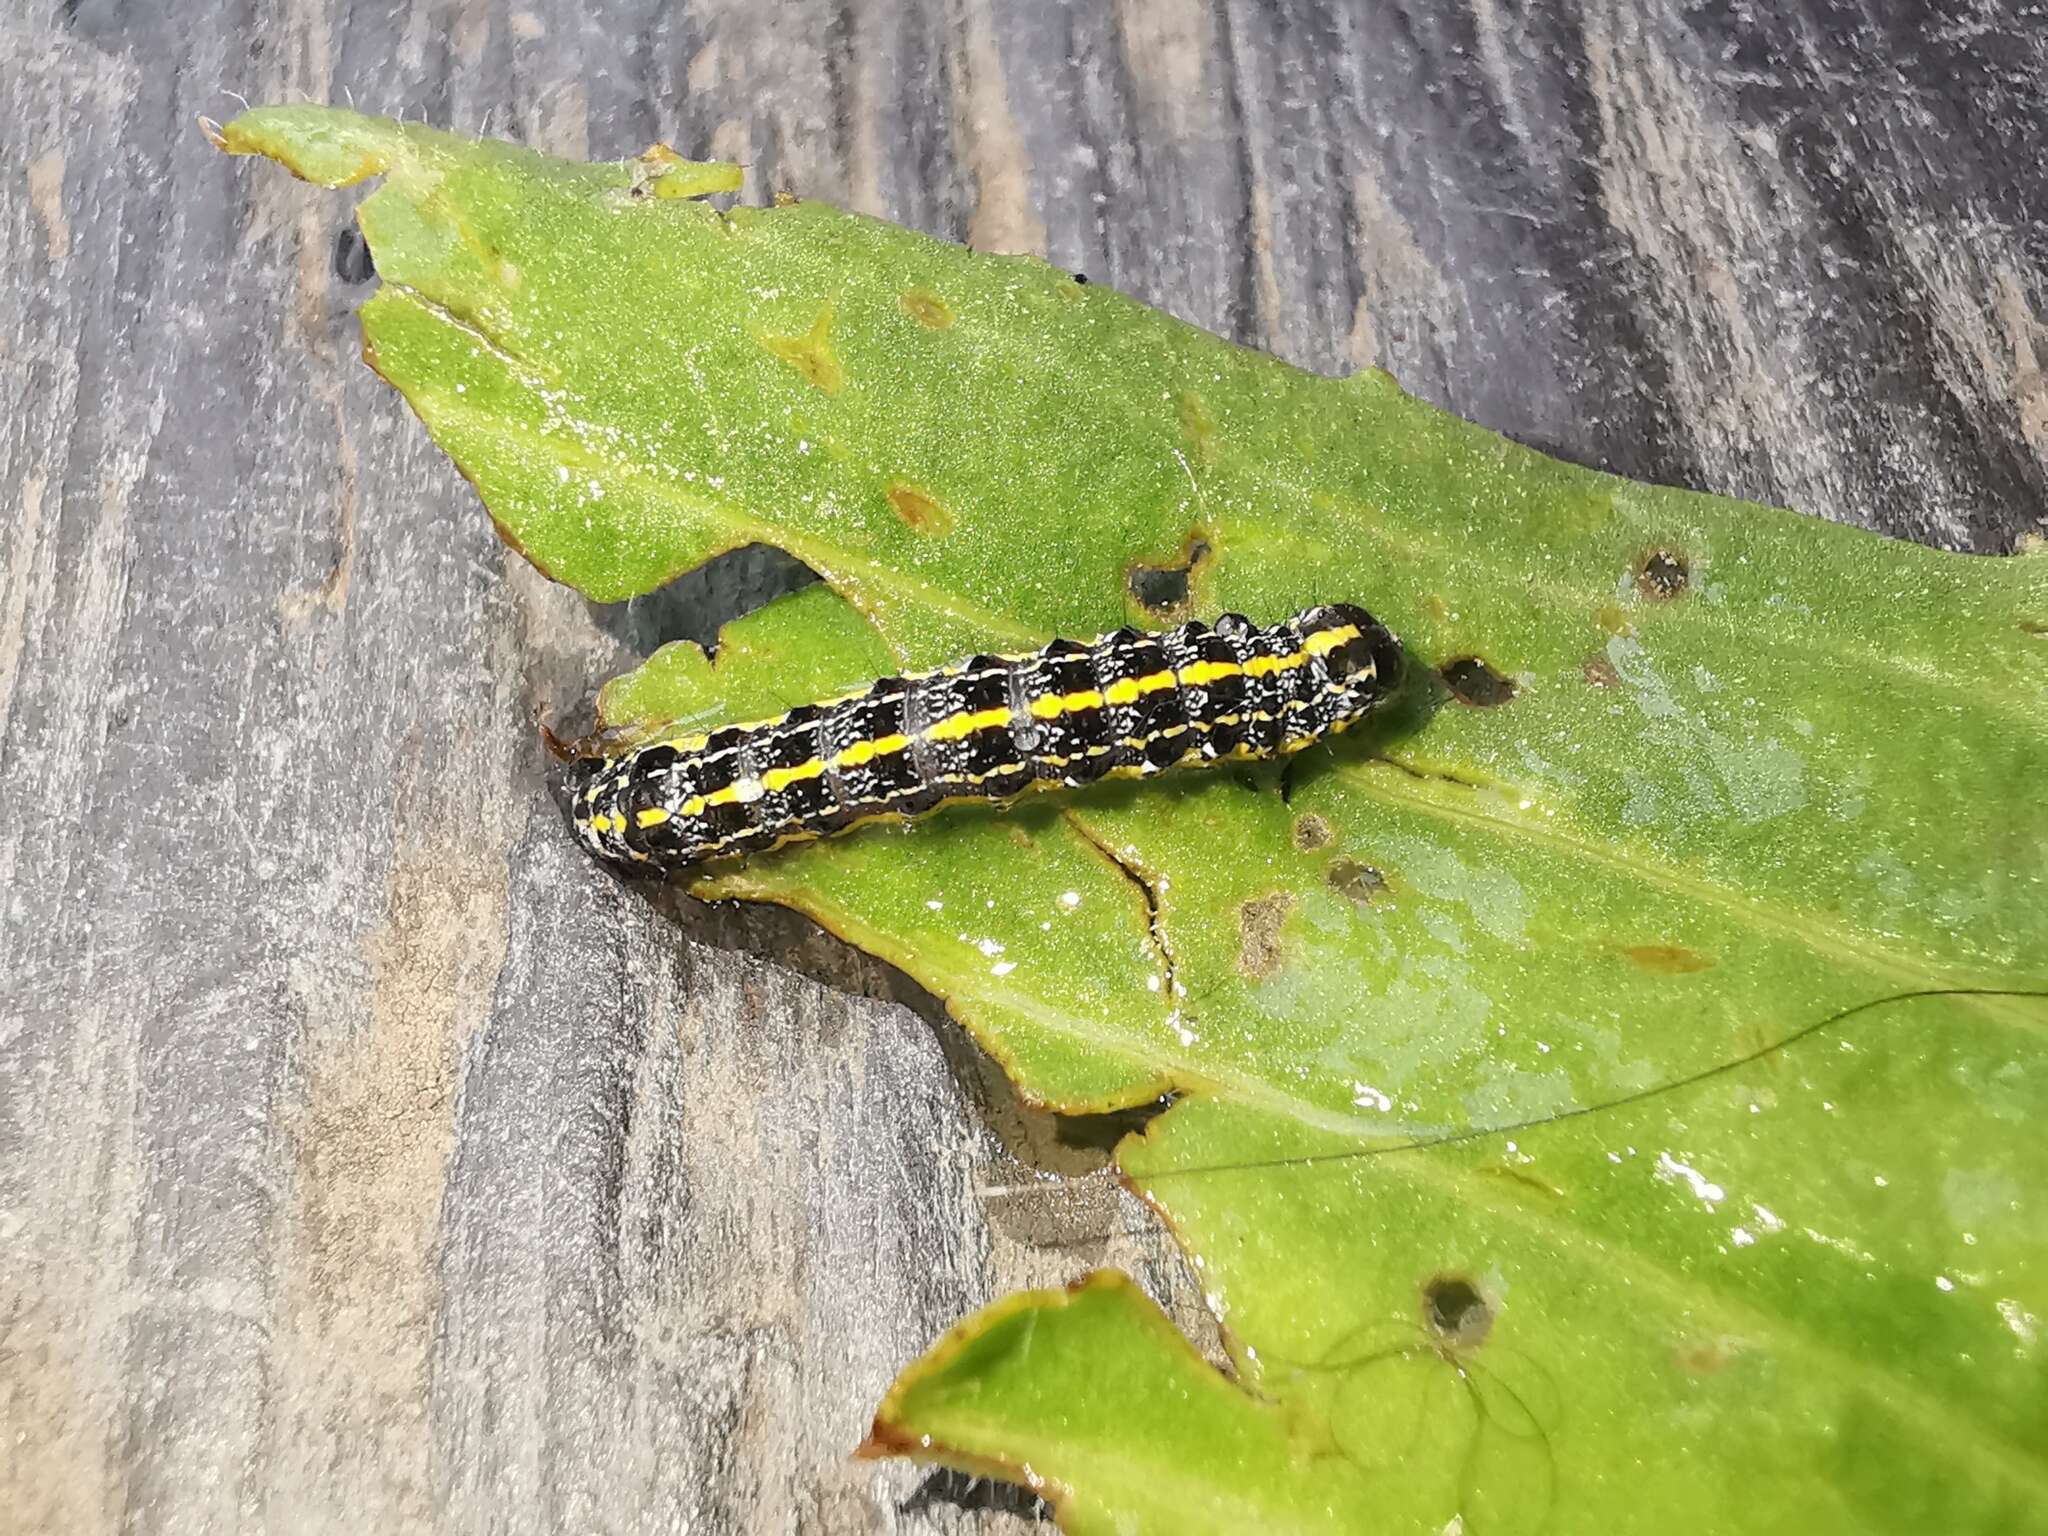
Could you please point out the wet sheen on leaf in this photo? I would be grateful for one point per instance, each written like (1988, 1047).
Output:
(1535, 1138)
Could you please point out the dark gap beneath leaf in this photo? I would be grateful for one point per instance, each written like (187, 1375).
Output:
(1455, 1311)
(1101, 1132)
(1662, 575)
(962, 1490)
(1163, 589)
(352, 260)
(1361, 882)
(699, 603)
(1473, 682)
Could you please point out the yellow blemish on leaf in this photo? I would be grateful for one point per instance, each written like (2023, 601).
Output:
(919, 509)
(1611, 618)
(1668, 959)
(1199, 427)
(927, 309)
(811, 354)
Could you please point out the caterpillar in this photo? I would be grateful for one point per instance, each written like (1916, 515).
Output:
(990, 729)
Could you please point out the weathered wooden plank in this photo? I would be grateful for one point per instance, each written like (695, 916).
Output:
(367, 1158)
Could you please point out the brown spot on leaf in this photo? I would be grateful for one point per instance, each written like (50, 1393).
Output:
(1162, 590)
(811, 354)
(1361, 882)
(2034, 626)
(1472, 681)
(1258, 930)
(919, 508)
(927, 309)
(1455, 1313)
(1704, 1357)
(1312, 832)
(1668, 959)
(1662, 574)
(1198, 426)
(1600, 672)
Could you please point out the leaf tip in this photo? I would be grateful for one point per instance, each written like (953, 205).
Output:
(329, 146)
(661, 172)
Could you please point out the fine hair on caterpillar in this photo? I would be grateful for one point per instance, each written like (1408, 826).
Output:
(1131, 703)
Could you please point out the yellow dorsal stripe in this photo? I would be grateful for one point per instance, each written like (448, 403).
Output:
(653, 816)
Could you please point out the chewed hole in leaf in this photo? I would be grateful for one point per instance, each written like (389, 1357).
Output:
(1362, 883)
(1457, 1316)
(1312, 832)
(1473, 682)
(698, 604)
(1662, 575)
(1162, 590)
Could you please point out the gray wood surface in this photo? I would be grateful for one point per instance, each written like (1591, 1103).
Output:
(370, 1161)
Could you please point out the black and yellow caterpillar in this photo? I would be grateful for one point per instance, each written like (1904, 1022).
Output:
(990, 728)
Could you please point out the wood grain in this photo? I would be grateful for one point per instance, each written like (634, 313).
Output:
(367, 1160)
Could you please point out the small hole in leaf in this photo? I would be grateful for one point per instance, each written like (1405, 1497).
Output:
(1312, 832)
(1473, 682)
(352, 260)
(1081, 278)
(1455, 1311)
(1361, 882)
(1163, 589)
(1662, 575)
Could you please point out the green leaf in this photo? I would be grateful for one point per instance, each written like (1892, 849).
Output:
(1547, 1145)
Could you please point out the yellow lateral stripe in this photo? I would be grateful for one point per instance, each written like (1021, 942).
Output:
(782, 778)
(1208, 672)
(1259, 666)
(1055, 704)
(867, 751)
(1129, 689)
(1324, 641)
(653, 816)
(966, 723)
